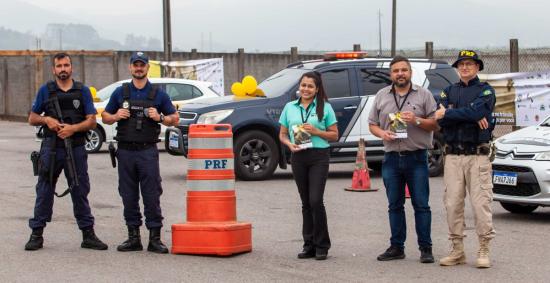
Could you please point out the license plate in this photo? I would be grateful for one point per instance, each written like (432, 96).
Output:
(505, 178)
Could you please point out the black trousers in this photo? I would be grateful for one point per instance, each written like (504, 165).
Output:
(310, 169)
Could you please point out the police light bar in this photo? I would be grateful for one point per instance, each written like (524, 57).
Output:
(344, 55)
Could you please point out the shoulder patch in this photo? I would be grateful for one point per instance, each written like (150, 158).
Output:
(487, 92)
(443, 94)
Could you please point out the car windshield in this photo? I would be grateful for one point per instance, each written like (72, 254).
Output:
(281, 82)
(105, 93)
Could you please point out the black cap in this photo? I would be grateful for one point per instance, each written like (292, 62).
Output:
(468, 54)
(139, 56)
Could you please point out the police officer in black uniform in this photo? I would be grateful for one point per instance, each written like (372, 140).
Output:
(135, 107)
(74, 100)
(466, 120)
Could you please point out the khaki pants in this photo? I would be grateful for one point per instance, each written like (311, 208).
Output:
(472, 174)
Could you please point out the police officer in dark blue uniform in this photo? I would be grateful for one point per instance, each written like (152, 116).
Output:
(466, 120)
(74, 100)
(138, 108)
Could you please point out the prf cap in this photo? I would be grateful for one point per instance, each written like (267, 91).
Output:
(139, 56)
(468, 54)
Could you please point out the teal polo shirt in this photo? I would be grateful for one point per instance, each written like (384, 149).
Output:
(294, 114)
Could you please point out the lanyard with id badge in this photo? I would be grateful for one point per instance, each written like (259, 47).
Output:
(397, 125)
(301, 137)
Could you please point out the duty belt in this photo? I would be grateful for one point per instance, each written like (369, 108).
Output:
(135, 146)
(482, 149)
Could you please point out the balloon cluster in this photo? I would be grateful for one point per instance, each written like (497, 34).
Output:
(249, 86)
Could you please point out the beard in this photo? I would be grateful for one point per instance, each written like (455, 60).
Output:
(63, 76)
(402, 83)
(139, 76)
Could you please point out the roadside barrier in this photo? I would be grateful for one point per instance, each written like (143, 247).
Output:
(360, 181)
(211, 226)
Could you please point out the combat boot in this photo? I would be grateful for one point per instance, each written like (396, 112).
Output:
(483, 260)
(155, 244)
(134, 241)
(456, 256)
(36, 241)
(91, 241)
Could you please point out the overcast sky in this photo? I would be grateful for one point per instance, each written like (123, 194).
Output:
(225, 25)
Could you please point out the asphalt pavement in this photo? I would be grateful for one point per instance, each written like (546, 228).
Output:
(358, 226)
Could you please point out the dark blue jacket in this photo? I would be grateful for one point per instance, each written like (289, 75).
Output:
(467, 104)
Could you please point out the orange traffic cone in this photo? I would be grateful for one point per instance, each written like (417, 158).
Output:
(211, 226)
(407, 193)
(360, 181)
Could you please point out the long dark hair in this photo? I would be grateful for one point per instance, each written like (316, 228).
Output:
(321, 96)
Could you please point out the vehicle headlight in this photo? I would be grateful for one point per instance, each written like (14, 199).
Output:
(214, 117)
(543, 156)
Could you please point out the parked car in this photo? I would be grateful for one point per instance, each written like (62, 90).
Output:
(180, 91)
(351, 81)
(520, 169)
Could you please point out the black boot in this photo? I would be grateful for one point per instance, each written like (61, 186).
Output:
(393, 252)
(36, 241)
(155, 245)
(426, 255)
(134, 241)
(90, 240)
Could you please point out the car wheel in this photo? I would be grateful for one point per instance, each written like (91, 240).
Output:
(435, 156)
(518, 208)
(256, 156)
(94, 140)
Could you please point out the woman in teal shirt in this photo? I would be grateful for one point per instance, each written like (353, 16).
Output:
(307, 125)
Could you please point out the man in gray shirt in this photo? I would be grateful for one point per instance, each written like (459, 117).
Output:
(402, 116)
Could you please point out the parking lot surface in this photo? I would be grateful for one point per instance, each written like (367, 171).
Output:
(358, 226)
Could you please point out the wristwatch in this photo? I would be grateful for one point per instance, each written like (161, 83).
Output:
(417, 121)
(161, 118)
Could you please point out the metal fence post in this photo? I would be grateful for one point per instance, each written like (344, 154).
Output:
(514, 55)
(115, 66)
(429, 50)
(5, 85)
(240, 63)
(293, 54)
(357, 47)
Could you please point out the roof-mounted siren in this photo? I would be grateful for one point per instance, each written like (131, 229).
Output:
(331, 56)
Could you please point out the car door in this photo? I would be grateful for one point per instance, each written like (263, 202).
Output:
(370, 80)
(341, 88)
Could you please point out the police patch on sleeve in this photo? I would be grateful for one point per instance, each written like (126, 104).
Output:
(443, 94)
(487, 92)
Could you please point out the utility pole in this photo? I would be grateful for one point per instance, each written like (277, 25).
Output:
(167, 26)
(60, 39)
(393, 24)
(379, 34)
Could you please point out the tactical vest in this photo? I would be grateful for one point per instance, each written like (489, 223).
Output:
(138, 128)
(467, 133)
(72, 110)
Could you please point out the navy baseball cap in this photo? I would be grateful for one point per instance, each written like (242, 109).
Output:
(139, 56)
(468, 54)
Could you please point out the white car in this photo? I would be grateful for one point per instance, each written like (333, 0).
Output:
(179, 90)
(521, 169)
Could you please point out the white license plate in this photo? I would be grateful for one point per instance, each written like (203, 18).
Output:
(505, 178)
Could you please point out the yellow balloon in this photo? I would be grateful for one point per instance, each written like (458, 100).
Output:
(93, 91)
(250, 84)
(258, 93)
(238, 89)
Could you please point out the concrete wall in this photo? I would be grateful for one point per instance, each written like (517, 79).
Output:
(23, 72)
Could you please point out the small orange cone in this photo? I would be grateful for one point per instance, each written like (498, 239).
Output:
(361, 178)
(407, 193)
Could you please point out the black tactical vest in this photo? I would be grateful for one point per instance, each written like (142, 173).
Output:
(138, 128)
(72, 110)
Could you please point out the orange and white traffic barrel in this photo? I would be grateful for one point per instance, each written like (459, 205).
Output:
(211, 226)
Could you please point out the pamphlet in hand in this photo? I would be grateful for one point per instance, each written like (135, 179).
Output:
(398, 126)
(301, 137)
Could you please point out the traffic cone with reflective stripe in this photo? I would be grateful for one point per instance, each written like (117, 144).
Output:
(360, 181)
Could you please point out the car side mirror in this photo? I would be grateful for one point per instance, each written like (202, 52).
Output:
(174, 141)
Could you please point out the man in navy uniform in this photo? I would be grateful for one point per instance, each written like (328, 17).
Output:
(78, 112)
(465, 118)
(138, 108)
